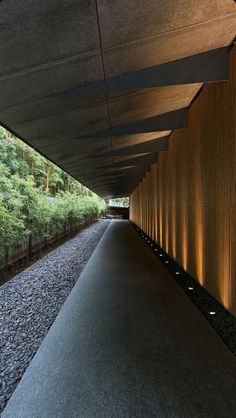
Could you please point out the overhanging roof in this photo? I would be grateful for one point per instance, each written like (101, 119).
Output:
(98, 86)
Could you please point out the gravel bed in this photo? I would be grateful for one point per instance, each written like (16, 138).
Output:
(30, 302)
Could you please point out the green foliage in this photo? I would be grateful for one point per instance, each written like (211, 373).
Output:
(37, 198)
(120, 202)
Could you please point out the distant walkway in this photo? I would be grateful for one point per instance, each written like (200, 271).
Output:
(128, 343)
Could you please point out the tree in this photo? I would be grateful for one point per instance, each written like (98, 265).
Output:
(119, 201)
(37, 198)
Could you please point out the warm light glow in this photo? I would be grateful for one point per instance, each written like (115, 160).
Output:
(184, 238)
(223, 273)
(173, 225)
(199, 244)
(160, 222)
(166, 248)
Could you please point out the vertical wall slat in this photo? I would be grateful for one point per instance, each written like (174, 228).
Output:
(187, 202)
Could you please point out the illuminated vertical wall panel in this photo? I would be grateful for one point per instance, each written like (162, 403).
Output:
(172, 196)
(189, 196)
(231, 110)
(155, 204)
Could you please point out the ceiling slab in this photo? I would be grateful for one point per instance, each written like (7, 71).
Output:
(142, 37)
(98, 86)
(60, 30)
(131, 21)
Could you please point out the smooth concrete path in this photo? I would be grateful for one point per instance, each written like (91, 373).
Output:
(128, 343)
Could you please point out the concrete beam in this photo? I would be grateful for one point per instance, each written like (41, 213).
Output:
(155, 145)
(143, 160)
(204, 67)
(166, 121)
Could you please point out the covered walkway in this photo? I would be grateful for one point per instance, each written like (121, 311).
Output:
(127, 343)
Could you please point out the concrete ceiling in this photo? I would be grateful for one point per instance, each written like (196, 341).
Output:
(97, 86)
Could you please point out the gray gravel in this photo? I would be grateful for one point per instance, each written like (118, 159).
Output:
(30, 302)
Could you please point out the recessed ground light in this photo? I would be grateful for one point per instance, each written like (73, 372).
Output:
(148, 242)
(161, 255)
(166, 261)
(212, 312)
(190, 288)
(177, 272)
(155, 249)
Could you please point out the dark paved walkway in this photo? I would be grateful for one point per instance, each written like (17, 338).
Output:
(127, 343)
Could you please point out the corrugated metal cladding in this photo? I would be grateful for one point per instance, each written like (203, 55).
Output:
(187, 200)
(98, 86)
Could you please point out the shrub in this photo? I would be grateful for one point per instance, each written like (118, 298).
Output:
(37, 198)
